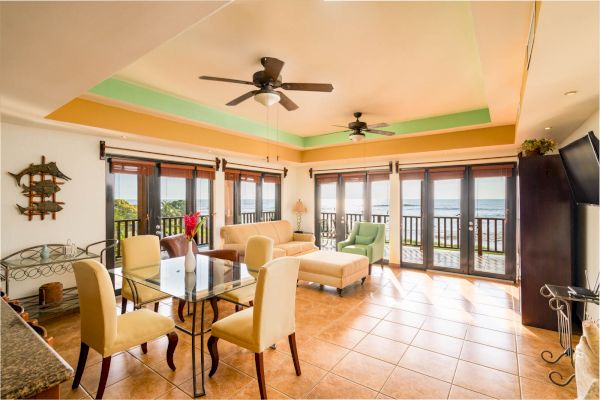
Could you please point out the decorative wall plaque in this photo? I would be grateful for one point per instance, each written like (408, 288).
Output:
(41, 189)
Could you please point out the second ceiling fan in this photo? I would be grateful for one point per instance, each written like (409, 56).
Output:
(267, 81)
(358, 128)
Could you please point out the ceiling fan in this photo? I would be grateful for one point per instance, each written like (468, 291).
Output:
(267, 81)
(358, 128)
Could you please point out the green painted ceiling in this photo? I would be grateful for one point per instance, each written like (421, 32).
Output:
(137, 95)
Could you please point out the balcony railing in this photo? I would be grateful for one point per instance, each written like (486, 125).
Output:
(250, 217)
(328, 231)
(489, 233)
(125, 228)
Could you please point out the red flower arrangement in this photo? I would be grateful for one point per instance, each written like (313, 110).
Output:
(193, 223)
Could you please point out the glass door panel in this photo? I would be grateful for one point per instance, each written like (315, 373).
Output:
(412, 222)
(269, 210)
(126, 207)
(446, 223)
(203, 205)
(327, 213)
(172, 205)
(248, 202)
(354, 203)
(380, 209)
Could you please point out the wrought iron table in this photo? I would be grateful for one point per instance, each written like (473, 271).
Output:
(29, 264)
(560, 301)
(211, 278)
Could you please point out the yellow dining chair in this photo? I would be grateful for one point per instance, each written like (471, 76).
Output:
(140, 251)
(105, 331)
(270, 319)
(259, 251)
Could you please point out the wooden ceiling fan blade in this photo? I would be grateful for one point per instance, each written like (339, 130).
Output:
(214, 78)
(311, 87)
(380, 125)
(286, 102)
(272, 66)
(377, 131)
(243, 97)
(342, 126)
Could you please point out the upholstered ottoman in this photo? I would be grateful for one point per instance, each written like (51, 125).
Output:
(333, 268)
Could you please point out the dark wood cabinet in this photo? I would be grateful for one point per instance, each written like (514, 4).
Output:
(547, 218)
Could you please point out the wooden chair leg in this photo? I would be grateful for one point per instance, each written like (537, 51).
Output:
(83, 353)
(238, 308)
(294, 349)
(144, 348)
(362, 281)
(370, 268)
(214, 354)
(103, 377)
(180, 307)
(339, 292)
(260, 374)
(214, 303)
(156, 307)
(173, 339)
(251, 303)
(123, 305)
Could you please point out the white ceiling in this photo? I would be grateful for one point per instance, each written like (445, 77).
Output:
(51, 52)
(395, 61)
(564, 58)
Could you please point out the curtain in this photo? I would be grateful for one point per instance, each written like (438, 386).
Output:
(412, 174)
(129, 166)
(489, 171)
(177, 170)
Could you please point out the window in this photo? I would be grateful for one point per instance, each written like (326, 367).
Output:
(251, 197)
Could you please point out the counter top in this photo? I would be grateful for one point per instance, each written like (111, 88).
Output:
(29, 365)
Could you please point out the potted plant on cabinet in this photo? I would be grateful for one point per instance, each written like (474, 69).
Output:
(534, 147)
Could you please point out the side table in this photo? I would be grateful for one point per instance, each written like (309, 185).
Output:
(560, 300)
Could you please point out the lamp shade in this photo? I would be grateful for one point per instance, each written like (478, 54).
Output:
(267, 99)
(299, 207)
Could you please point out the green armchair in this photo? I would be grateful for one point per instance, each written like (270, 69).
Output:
(366, 239)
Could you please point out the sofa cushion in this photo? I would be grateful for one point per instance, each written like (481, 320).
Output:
(360, 239)
(293, 248)
(277, 252)
(284, 231)
(360, 249)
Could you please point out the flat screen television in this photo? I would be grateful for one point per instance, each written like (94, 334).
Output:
(580, 159)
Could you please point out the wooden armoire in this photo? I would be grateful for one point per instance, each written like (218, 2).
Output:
(547, 232)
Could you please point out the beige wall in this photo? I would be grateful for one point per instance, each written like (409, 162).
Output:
(588, 239)
(83, 218)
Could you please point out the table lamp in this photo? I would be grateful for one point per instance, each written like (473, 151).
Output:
(299, 209)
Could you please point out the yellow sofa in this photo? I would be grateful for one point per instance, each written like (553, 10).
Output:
(286, 242)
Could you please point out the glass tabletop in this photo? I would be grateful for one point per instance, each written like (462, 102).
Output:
(32, 257)
(211, 278)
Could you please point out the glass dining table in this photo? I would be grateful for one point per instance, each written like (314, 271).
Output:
(211, 278)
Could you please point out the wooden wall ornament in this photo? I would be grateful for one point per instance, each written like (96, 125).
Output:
(41, 191)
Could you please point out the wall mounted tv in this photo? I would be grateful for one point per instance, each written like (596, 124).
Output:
(580, 159)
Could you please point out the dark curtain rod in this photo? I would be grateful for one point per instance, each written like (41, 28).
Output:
(284, 170)
(104, 147)
(312, 172)
(399, 165)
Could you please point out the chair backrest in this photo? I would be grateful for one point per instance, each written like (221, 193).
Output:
(259, 251)
(177, 245)
(275, 301)
(223, 254)
(97, 305)
(367, 232)
(141, 251)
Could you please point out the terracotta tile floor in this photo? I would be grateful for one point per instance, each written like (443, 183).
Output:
(404, 334)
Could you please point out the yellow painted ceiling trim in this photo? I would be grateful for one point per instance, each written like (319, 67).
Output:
(492, 136)
(91, 113)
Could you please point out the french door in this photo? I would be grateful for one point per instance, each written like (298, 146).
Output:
(151, 197)
(346, 198)
(459, 219)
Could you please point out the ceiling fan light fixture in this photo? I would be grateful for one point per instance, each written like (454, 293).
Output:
(267, 99)
(357, 137)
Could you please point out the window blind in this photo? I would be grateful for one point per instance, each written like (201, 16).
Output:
(133, 167)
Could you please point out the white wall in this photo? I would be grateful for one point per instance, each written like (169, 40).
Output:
(588, 239)
(83, 218)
